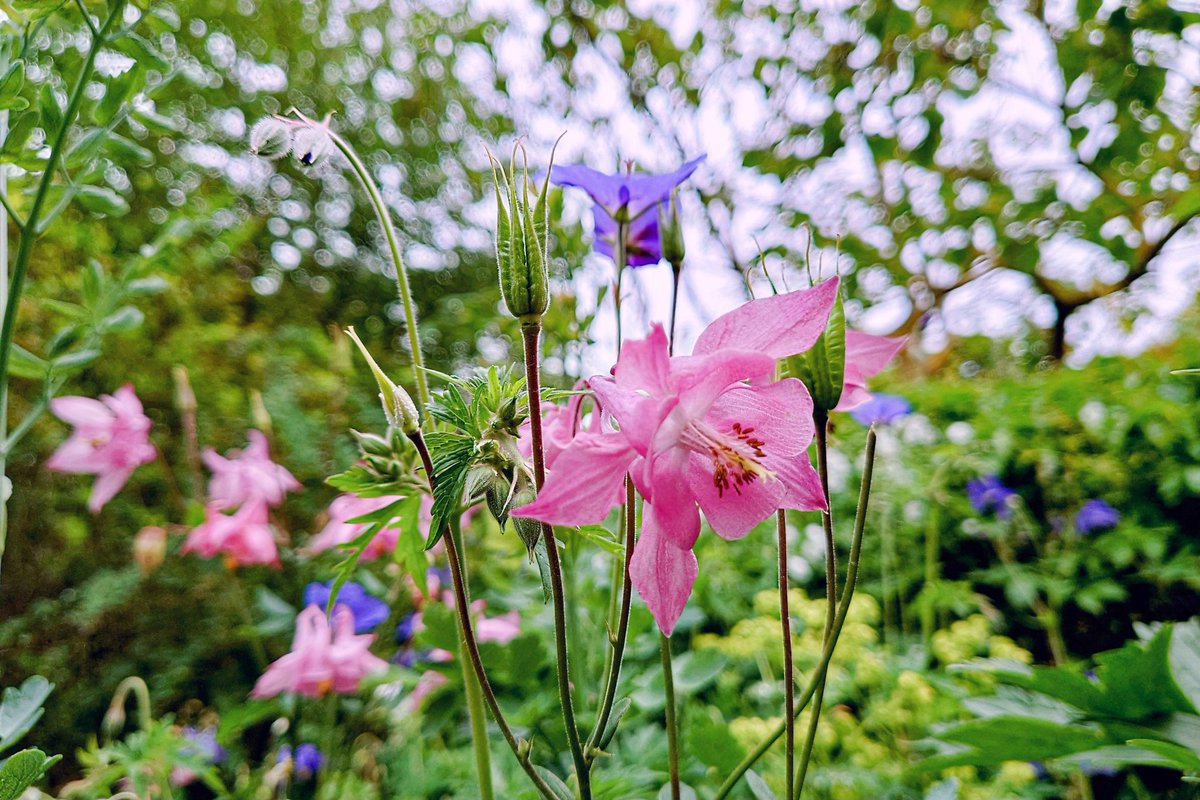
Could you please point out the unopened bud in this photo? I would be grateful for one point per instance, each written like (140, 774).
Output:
(149, 548)
(311, 141)
(372, 445)
(398, 407)
(522, 241)
(670, 232)
(530, 530)
(271, 138)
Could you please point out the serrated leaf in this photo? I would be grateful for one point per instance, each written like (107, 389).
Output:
(759, 787)
(22, 771)
(452, 455)
(21, 707)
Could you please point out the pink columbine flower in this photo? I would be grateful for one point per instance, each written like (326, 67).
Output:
(244, 537)
(430, 682)
(691, 433)
(111, 439)
(323, 659)
(501, 629)
(339, 530)
(248, 476)
(866, 355)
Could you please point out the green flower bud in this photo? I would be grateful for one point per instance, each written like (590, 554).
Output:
(371, 444)
(823, 368)
(530, 530)
(522, 241)
(398, 407)
(670, 232)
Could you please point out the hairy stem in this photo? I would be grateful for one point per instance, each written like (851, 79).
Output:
(16, 284)
(393, 241)
(789, 670)
(839, 621)
(521, 749)
(672, 722)
(474, 694)
(531, 332)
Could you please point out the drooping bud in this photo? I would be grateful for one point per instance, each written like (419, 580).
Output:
(522, 241)
(398, 407)
(530, 530)
(670, 231)
(271, 138)
(149, 548)
(312, 140)
(823, 367)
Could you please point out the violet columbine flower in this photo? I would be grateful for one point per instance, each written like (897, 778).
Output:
(339, 530)
(405, 628)
(367, 609)
(202, 745)
(323, 658)
(244, 537)
(691, 434)
(989, 496)
(248, 476)
(634, 197)
(111, 439)
(307, 761)
(1096, 515)
(882, 409)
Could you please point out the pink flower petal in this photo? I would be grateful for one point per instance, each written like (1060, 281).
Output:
(586, 480)
(81, 411)
(662, 573)
(778, 326)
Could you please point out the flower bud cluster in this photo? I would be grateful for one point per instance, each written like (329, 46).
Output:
(274, 137)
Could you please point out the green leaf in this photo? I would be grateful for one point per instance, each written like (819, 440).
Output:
(75, 360)
(125, 318)
(543, 564)
(21, 707)
(603, 538)
(619, 710)
(709, 737)
(51, 114)
(18, 133)
(1176, 755)
(22, 771)
(103, 200)
(758, 787)
(1184, 660)
(696, 669)
(24, 364)
(1013, 738)
(452, 455)
(685, 792)
(560, 790)
(410, 545)
(278, 615)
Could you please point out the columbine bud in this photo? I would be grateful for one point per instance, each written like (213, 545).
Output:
(823, 367)
(149, 548)
(271, 138)
(530, 530)
(398, 407)
(312, 140)
(522, 241)
(670, 232)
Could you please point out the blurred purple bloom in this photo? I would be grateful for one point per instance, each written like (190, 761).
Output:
(203, 743)
(368, 610)
(405, 629)
(882, 409)
(634, 195)
(308, 760)
(989, 496)
(1096, 515)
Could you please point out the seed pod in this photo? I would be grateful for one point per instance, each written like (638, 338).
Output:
(530, 530)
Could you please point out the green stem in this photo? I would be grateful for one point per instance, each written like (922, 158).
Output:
(822, 422)
(16, 284)
(531, 332)
(789, 670)
(521, 749)
(676, 272)
(843, 609)
(393, 241)
(672, 720)
(932, 567)
(471, 689)
(621, 258)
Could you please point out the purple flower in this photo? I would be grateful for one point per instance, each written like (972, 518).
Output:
(308, 760)
(634, 196)
(882, 409)
(368, 610)
(203, 743)
(1096, 515)
(405, 629)
(989, 496)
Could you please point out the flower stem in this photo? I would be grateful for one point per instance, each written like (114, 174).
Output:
(471, 689)
(843, 609)
(676, 272)
(672, 723)
(822, 422)
(789, 670)
(393, 240)
(521, 749)
(16, 284)
(531, 332)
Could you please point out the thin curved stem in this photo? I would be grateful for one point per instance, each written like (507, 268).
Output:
(520, 748)
(531, 334)
(474, 694)
(393, 240)
(672, 721)
(843, 609)
(789, 669)
(16, 284)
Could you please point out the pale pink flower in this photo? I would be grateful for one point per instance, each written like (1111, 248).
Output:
(248, 475)
(339, 530)
(866, 355)
(323, 658)
(691, 434)
(430, 682)
(244, 537)
(559, 426)
(500, 629)
(111, 439)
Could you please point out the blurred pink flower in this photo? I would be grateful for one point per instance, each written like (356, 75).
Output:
(339, 531)
(244, 537)
(111, 439)
(691, 433)
(501, 629)
(248, 476)
(322, 658)
(559, 426)
(866, 355)
(430, 682)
